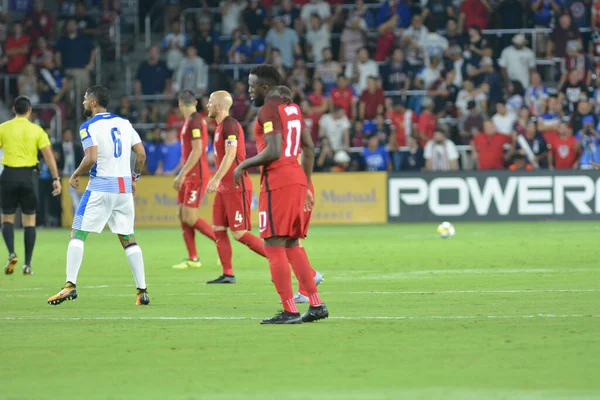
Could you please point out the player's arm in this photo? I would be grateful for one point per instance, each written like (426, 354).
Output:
(272, 129)
(192, 160)
(308, 153)
(231, 145)
(140, 160)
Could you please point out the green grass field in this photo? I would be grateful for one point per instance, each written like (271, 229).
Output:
(501, 311)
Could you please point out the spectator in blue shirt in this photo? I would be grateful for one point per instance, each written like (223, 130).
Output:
(153, 151)
(375, 156)
(258, 47)
(153, 76)
(77, 55)
(170, 161)
(398, 9)
(589, 140)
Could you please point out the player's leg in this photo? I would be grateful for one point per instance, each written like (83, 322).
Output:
(10, 202)
(303, 271)
(272, 208)
(189, 238)
(239, 210)
(121, 222)
(74, 260)
(28, 217)
(136, 262)
(302, 295)
(220, 224)
(194, 194)
(91, 216)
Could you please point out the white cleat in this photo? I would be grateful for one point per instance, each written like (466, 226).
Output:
(299, 298)
(319, 278)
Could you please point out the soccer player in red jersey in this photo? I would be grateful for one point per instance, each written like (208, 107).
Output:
(193, 178)
(231, 208)
(284, 194)
(302, 295)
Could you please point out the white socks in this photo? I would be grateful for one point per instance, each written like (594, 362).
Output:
(74, 259)
(136, 262)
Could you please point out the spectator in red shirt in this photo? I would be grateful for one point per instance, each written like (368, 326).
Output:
(372, 100)
(39, 22)
(488, 147)
(174, 117)
(474, 12)
(317, 97)
(427, 120)
(342, 95)
(311, 119)
(17, 49)
(564, 149)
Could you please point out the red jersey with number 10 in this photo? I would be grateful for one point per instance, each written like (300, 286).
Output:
(281, 116)
(227, 131)
(195, 128)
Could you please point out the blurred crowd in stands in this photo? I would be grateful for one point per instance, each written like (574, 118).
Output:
(388, 86)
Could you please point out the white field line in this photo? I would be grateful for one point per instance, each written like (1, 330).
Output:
(327, 293)
(363, 317)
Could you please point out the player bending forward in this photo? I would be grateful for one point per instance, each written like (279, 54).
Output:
(107, 140)
(284, 192)
(302, 295)
(231, 208)
(193, 178)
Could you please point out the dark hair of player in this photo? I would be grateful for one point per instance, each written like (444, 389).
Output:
(100, 93)
(22, 105)
(284, 91)
(187, 97)
(267, 75)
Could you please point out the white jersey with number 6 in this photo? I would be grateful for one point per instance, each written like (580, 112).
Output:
(108, 198)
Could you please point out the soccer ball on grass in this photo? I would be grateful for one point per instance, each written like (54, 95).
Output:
(445, 230)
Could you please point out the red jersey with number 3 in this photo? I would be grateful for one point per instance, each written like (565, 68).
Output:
(195, 128)
(228, 132)
(281, 116)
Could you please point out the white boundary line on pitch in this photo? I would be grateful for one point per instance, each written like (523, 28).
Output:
(326, 293)
(425, 317)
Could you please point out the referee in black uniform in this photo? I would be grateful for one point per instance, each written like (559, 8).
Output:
(21, 140)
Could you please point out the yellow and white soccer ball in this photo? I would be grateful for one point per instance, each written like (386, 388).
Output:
(446, 230)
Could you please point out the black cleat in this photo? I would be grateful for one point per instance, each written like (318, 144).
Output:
(142, 298)
(283, 317)
(315, 313)
(10, 265)
(223, 279)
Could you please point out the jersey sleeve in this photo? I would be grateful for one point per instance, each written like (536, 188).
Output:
(197, 126)
(86, 137)
(43, 139)
(269, 118)
(230, 128)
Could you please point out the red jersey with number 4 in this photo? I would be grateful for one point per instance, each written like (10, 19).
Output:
(229, 132)
(195, 128)
(281, 116)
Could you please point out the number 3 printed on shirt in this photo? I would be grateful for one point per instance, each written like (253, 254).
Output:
(117, 143)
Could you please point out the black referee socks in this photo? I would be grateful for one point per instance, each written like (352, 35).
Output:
(8, 234)
(29, 243)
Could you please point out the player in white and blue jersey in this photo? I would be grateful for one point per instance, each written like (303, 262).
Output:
(108, 141)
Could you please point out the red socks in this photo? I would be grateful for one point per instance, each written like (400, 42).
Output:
(304, 273)
(301, 289)
(253, 243)
(189, 237)
(224, 250)
(281, 276)
(204, 228)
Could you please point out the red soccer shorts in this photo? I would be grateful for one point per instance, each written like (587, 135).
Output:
(232, 210)
(281, 212)
(192, 193)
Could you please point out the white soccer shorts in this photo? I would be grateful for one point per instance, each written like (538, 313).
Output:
(96, 209)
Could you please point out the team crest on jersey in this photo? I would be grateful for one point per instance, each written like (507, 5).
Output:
(217, 136)
(563, 151)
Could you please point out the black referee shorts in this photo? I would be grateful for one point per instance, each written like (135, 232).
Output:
(18, 189)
